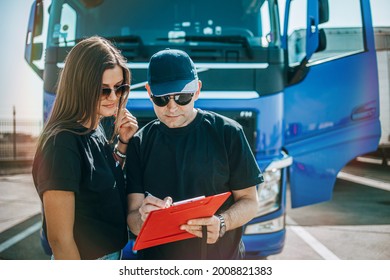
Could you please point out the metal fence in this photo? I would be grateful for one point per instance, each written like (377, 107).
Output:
(18, 139)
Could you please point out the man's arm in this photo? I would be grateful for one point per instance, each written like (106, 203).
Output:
(134, 221)
(242, 211)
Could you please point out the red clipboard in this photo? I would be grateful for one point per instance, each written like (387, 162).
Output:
(163, 225)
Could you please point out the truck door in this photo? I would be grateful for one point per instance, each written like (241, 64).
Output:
(331, 102)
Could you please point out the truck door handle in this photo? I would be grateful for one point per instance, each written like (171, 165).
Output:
(363, 113)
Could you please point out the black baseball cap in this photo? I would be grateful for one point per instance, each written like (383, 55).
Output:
(172, 71)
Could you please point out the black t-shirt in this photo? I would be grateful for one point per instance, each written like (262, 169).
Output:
(84, 164)
(209, 156)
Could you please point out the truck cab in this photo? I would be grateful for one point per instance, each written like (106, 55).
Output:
(307, 104)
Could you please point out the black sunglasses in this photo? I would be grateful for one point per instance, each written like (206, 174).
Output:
(119, 91)
(180, 99)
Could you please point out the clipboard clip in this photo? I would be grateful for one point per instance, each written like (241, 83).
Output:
(188, 200)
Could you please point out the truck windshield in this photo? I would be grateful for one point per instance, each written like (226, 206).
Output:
(161, 22)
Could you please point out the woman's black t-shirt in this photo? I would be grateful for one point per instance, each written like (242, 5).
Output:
(84, 164)
(209, 156)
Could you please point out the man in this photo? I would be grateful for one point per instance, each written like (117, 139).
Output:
(186, 153)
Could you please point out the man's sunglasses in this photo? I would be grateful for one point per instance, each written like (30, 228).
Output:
(119, 91)
(180, 99)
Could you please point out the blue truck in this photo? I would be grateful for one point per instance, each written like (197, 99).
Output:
(308, 103)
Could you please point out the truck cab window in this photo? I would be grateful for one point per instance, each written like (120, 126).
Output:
(248, 19)
(64, 31)
(344, 31)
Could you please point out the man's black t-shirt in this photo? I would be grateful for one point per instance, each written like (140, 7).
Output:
(209, 156)
(84, 164)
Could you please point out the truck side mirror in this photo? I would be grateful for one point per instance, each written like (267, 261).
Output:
(36, 52)
(33, 51)
(318, 12)
(323, 15)
(322, 41)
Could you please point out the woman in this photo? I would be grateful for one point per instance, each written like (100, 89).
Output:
(77, 174)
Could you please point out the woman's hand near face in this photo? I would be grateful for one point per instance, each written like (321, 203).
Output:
(127, 125)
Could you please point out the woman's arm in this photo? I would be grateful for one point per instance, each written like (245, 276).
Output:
(59, 209)
(127, 127)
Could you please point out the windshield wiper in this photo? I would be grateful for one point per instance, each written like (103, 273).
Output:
(225, 39)
(125, 39)
(114, 39)
(131, 46)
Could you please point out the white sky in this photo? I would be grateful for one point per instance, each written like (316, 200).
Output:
(22, 88)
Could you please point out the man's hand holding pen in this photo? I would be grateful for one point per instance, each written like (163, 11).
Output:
(151, 203)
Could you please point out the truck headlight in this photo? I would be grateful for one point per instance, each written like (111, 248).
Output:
(269, 192)
(274, 225)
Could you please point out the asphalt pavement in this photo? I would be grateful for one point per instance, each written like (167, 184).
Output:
(19, 200)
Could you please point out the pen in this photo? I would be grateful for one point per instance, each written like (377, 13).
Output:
(148, 194)
(168, 203)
